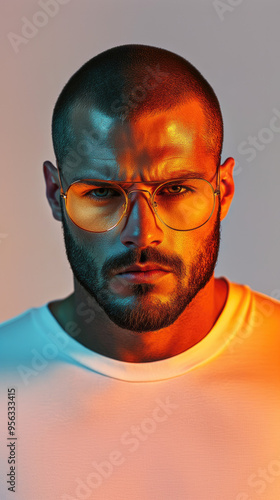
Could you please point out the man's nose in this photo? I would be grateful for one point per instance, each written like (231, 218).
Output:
(141, 227)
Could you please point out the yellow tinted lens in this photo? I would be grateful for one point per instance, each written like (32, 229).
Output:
(95, 206)
(185, 204)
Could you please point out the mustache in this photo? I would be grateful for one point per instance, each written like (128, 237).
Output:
(146, 256)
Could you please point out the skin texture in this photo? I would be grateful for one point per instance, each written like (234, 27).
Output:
(142, 322)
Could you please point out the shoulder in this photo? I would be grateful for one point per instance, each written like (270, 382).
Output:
(19, 335)
(267, 311)
(16, 324)
(259, 309)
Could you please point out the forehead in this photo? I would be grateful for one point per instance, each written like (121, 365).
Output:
(148, 147)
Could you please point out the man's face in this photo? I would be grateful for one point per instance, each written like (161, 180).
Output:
(159, 147)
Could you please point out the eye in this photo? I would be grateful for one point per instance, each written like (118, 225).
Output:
(102, 192)
(175, 189)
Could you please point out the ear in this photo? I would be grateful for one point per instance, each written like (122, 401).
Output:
(226, 186)
(52, 188)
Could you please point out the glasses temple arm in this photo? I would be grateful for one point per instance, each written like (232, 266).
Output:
(60, 177)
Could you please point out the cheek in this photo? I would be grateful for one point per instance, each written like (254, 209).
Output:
(185, 244)
(93, 243)
(191, 243)
(99, 246)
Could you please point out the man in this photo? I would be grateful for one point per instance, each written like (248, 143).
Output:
(153, 379)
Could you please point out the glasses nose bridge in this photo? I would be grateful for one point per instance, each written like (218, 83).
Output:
(143, 191)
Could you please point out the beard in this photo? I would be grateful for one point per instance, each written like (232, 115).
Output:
(140, 310)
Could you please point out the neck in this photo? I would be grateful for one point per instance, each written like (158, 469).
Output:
(91, 326)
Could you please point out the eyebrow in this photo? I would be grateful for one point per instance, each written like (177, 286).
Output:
(175, 175)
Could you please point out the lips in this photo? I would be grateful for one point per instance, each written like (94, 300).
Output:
(147, 267)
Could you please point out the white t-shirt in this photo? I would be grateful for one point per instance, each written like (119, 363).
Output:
(202, 425)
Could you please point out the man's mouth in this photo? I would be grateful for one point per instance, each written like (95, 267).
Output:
(143, 273)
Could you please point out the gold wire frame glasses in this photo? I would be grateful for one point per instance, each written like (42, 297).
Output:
(193, 207)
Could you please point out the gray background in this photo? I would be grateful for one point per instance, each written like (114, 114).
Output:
(234, 43)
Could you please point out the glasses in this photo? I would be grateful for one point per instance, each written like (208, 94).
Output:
(182, 204)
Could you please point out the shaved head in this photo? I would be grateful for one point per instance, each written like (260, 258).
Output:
(128, 81)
